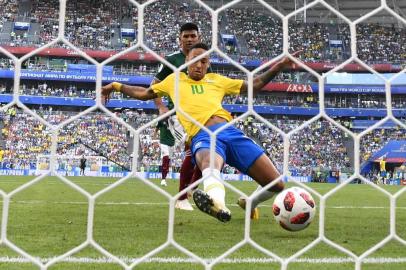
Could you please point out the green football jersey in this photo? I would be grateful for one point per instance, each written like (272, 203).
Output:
(165, 136)
(177, 59)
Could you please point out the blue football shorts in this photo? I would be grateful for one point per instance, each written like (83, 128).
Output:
(232, 145)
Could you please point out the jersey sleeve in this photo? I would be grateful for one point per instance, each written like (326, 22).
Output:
(163, 88)
(231, 86)
(163, 71)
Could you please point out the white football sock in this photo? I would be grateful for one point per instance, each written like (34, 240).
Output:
(264, 196)
(212, 186)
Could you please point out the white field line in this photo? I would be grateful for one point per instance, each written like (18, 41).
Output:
(105, 260)
(87, 183)
(105, 182)
(166, 204)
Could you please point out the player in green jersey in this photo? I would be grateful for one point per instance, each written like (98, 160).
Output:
(188, 36)
(167, 142)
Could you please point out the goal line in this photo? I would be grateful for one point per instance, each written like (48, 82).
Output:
(169, 260)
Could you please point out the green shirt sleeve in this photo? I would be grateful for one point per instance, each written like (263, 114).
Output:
(163, 72)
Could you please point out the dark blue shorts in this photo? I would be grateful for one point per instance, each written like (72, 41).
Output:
(232, 145)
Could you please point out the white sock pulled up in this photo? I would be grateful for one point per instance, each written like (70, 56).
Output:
(212, 186)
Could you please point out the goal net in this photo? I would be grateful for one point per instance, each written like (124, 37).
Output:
(334, 117)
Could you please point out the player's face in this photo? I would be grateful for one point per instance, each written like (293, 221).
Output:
(187, 39)
(198, 69)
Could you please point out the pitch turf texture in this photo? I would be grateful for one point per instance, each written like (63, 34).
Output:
(50, 218)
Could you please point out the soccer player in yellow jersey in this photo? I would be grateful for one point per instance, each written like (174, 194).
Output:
(382, 169)
(200, 96)
(382, 164)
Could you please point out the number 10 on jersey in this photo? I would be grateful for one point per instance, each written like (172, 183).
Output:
(197, 89)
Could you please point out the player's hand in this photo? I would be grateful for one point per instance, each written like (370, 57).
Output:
(162, 110)
(106, 92)
(287, 62)
(176, 129)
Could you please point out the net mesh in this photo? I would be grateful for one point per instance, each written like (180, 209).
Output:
(284, 262)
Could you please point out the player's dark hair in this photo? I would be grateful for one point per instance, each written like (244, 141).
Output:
(189, 27)
(200, 45)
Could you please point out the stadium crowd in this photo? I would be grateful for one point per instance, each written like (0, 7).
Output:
(99, 29)
(374, 140)
(25, 137)
(379, 44)
(257, 30)
(97, 134)
(320, 145)
(94, 134)
(8, 12)
(86, 26)
(46, 14)
(163, 18)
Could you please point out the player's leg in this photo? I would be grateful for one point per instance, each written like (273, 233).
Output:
(263, 171)
(186, 174)
(250, 158)
(165, 150)
(211, 199)
(197, 174)
(183, 201)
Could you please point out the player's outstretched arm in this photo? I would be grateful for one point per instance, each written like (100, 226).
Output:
(158, 101)
(263, 79)
(136, 92)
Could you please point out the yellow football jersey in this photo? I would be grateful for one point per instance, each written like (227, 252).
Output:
(382, 165)
(199, 99)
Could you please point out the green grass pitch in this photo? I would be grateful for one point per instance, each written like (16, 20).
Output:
(49, 218)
